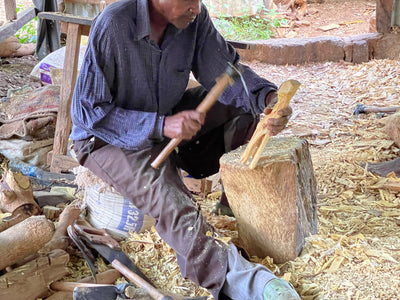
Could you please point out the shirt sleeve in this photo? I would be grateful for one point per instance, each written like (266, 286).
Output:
(211, 60)
(93, 106)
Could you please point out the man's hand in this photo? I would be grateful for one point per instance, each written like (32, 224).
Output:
(183, 125)
(276, 125)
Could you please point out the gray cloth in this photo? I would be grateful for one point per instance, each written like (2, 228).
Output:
(48, 32)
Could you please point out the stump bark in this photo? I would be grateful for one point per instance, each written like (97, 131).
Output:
(274, 203)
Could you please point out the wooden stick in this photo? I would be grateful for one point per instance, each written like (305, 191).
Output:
(261, 135)
(203, 107)
(105, 278)
(139, 281)
(23, 239)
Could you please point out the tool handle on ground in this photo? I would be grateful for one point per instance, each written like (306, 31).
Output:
(136, 279)
(203, 107)
(378, 109)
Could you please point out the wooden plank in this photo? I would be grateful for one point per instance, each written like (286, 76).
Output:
(383, 15)
(56, 16)
(10, 9)
(64, 123)
(274, 203)
(9, 29)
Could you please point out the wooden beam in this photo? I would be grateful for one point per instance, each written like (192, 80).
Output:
(65, 18)
(9, 29)
(10, 9)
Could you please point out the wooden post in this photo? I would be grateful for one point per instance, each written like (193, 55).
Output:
(274, 203)
(64, 124)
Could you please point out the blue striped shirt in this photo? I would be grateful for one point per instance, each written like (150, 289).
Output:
(128, 83)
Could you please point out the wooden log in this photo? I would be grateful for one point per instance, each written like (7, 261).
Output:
(15, 190)
(31, 281)
(23, 239)
(60, 239)
(274, 203)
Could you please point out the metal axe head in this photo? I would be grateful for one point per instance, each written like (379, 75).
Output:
(360, 109)
(235, 72)
(109, 292)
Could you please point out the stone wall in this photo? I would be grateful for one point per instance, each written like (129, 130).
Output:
(356, 49)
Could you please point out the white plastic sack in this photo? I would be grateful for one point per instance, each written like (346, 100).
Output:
(55, 60)
(115, 213)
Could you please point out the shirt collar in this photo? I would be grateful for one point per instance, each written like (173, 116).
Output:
(142, 19)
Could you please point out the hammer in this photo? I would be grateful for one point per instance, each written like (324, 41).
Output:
(231, 74)
(364, 109)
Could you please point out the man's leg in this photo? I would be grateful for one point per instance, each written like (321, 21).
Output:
(225, 129)
(161, 194)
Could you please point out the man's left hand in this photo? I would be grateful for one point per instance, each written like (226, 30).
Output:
(276, 125)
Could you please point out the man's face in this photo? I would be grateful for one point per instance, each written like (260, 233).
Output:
(180, 13)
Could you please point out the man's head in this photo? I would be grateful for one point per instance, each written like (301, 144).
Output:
(179, 13)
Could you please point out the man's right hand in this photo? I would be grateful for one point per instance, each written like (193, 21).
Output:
(183, 125)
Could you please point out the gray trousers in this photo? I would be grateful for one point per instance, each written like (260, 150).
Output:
(161, 194)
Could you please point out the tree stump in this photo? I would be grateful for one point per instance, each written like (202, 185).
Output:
(274, 203)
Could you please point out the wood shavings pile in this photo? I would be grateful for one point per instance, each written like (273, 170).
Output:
(356, 253)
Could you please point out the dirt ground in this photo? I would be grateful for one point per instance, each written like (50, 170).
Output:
(346, 17)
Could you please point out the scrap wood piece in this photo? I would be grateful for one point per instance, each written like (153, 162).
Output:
(24, 239)
(18, 215)
(15, 190)
(31, 281)
(329, 27)
(60, 239)
(261, 135)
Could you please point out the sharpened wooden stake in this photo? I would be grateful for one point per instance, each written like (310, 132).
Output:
(261, 135)
(203, 107)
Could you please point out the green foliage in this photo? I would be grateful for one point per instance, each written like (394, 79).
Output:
(261, 26)
(28, 32)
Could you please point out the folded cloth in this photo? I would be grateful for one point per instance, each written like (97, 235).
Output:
(31, 115)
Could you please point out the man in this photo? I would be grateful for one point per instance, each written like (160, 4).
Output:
(131, 98)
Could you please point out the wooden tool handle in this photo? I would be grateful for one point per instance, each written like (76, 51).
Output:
(203, 107)
(136, 279)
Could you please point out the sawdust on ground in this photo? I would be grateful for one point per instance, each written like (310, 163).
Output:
(356, 253)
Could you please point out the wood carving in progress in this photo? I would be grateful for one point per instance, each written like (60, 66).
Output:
(261, 135)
